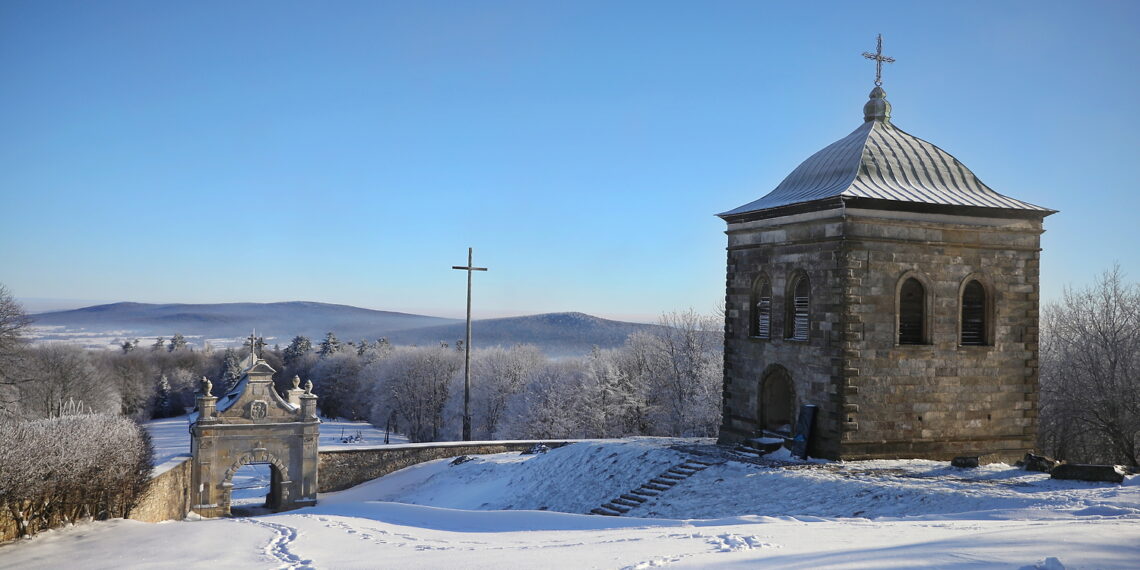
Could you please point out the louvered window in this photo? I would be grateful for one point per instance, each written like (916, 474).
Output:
(912, 312)
(973, 315)
(800, 311)
(762, 311)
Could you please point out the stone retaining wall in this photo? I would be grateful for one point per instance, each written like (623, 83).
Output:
(168, 497)
(341, 469)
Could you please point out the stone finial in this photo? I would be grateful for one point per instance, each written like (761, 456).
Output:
(296, 382)
(207, 387)
(309, 387)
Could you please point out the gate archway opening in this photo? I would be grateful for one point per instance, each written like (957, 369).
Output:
(255, 485)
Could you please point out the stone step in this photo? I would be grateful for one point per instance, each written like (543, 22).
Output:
(614, 507)
(702, 462)
(626, 503)
(672, 476)
(604, 512)
(630, 497)
(663, 482)
(656, 487)
(682, 470)
(645, 492)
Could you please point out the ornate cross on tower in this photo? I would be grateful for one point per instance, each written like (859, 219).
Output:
(467, 350)
(880, 59)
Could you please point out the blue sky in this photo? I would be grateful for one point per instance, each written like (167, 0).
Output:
(350, 152)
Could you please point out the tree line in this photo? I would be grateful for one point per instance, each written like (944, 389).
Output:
(666, 382)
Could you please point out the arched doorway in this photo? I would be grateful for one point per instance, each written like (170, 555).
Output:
(255, 483)
(777, 401)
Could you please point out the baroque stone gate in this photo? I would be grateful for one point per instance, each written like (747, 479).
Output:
(249, 425)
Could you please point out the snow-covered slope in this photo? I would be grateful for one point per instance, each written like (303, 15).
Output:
(499, 511)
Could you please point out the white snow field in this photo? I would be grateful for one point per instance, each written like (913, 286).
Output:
(524, 511)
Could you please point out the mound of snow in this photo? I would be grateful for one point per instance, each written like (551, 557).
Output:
(570, 479)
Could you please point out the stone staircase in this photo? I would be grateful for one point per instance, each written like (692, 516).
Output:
(654, 487)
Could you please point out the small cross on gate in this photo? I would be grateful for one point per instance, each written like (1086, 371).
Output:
(880, 59)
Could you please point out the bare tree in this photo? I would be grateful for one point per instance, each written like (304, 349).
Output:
(414, 384)
(340, 385)
(13, 323)
(1090, 372)
(61, 375)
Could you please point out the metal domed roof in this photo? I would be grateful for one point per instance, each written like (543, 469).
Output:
(881, 161)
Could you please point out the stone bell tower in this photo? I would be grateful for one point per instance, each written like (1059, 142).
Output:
(884, 283)
(253, 424)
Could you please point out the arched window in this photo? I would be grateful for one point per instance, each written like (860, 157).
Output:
(974, 325)
(761, 322)
(912, 312)
(798, 322)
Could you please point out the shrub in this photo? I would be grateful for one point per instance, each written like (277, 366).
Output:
(61, 470)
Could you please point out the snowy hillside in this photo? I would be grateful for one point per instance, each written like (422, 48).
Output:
(512, 510)
(227, 324)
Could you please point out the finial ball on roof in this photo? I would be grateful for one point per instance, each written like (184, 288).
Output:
(878, 108)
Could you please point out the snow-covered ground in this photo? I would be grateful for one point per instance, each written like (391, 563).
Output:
(513, 510)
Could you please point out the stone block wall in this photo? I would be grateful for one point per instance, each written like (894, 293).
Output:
(878, 398)
(939, 400)
(168, 496)
(778, 249)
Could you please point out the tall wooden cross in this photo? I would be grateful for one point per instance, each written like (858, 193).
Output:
(880, 59)
(467, 349)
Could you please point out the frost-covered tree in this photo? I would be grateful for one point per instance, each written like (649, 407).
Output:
(159, 344)
(329, 346)
(603, 397)
(497, 375)
(686, 361)
(231, 371)
(413, 384)
(549, 406)
(298, 347)
(1090, 373)
(163, 403)
(63, 469)
(177, 342)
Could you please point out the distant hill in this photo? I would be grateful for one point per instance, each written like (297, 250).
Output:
(229, 320)
(557, 334)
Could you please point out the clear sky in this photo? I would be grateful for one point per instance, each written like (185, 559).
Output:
(350, 152)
